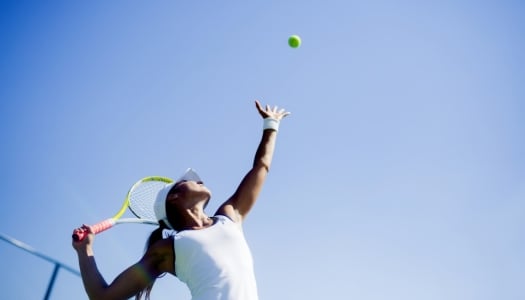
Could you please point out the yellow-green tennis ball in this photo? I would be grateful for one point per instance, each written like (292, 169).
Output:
(294, 41)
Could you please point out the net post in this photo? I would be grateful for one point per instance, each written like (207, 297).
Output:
(52, 281)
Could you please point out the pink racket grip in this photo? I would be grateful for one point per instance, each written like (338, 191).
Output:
(79, 235)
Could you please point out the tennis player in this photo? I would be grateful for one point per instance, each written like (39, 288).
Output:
(208, 253)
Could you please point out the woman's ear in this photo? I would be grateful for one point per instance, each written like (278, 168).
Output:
(172, 196)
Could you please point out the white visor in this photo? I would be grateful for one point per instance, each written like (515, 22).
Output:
(160, 201)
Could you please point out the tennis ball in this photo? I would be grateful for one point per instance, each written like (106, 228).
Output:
(294, 41)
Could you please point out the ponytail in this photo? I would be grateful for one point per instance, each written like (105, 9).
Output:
(155, 236)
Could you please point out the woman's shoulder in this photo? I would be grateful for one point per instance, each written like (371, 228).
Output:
(161, 254)
(161, 248)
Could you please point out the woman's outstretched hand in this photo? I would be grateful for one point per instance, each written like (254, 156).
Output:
(270, 112)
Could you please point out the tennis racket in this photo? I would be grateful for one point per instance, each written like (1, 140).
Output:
(139, 200)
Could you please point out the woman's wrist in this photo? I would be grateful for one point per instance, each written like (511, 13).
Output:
(85, 251)
(270, 124)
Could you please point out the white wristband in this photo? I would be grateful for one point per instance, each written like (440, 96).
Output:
(271, 123)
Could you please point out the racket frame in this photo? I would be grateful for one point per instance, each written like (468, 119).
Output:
(79, 235)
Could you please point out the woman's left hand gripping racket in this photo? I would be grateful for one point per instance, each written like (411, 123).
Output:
(139, 200)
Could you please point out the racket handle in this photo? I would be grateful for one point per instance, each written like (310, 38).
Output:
(80, 234)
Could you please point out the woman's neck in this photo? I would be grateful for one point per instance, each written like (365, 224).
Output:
(195, 218)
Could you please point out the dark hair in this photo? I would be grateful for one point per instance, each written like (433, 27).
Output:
(155, 236)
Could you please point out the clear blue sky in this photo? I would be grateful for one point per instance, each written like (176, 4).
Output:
(399, 175)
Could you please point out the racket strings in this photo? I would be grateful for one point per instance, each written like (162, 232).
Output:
(142, 198)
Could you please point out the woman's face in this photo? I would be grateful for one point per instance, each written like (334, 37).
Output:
(193, 191)
(185, 195)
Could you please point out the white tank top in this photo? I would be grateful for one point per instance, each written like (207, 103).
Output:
(215, 262)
